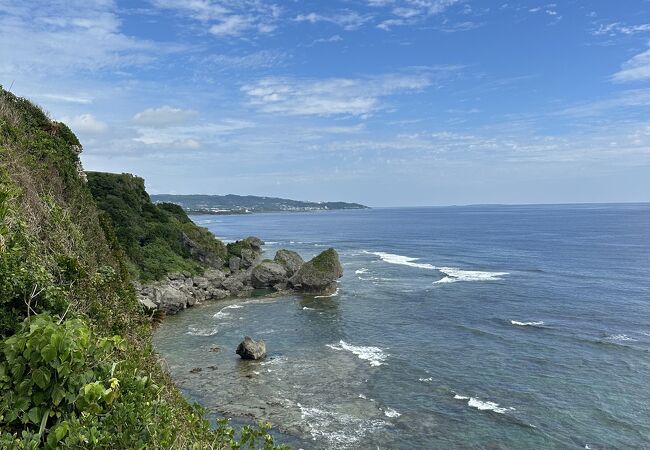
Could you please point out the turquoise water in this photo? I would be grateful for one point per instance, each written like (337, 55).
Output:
(483, 327)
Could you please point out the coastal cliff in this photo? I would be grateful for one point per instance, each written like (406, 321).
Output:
(77, 369)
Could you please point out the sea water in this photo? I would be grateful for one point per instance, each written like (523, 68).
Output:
(459, 327)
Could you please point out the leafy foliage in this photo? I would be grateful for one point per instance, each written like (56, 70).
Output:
(66, 379)
(157, 239)
(61, 386)
(235, 248)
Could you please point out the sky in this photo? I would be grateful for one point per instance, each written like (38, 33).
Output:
(382, 102)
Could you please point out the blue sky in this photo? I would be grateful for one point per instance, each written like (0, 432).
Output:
(384, 102)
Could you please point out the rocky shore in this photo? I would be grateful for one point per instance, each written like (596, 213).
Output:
(244, 272)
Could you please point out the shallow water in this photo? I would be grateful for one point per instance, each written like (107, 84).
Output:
(483, 327)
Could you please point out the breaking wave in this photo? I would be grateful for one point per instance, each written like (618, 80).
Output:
(374, 355)
(527, 324)
(483, 405)
(453, 274)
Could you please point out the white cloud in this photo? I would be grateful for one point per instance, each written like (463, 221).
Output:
(48, 38)
(334, 38)
(410, 12)
(85, 123)
(615, 28)
(256, 60)
(348, 20)
(191, 136)
(163, 116)
(333, 96)
(80, 99)
(226, 18)
(636, 69)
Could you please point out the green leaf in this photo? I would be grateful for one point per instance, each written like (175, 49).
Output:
(48, 353)
(34, 415)
(41, 377)
(57, 394)
(43, 423)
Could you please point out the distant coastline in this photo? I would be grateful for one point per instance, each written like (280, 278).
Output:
(247, 204)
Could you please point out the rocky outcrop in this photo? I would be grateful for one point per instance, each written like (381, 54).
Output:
(199, 253)
(250, 349)
(318, 275)
(244, 273)
(268, 274)
(290, 260)
(248, 251)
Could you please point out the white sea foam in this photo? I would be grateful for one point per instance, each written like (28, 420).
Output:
(329, 295)
(620, 338)
(453, 274)
(360, 271)
(194, 331)
(374, 355)
(363, 396)
(338, 429)
(222, 312)
(390, 412)
(308, 309)
(483, 405)
(401, 260)
(527, 324)
(426, 380)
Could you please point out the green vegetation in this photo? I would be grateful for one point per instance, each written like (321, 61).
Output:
(327, 261)
(157, 239)
(235, 248)
(245, 204)
(77, 369)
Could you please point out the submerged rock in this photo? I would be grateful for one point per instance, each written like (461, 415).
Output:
(290, 260)
(267, 274)
(318, 275)
(250, 349)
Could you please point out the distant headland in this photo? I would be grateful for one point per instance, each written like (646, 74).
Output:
(246, 204)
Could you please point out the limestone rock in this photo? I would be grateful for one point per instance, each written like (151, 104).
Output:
(268, 273)
(290, 260)
(249, 349)
(318, 275)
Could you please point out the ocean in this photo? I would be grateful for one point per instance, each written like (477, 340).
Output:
(496, 327)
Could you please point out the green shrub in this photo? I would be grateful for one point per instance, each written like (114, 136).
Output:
(154, 237)
(69, 382)
(235, 248)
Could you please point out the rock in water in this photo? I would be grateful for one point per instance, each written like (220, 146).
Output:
(249, 349)
(319, 275)
(267, 274)
(291, 261)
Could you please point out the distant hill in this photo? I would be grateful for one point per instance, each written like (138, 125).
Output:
(244, 204)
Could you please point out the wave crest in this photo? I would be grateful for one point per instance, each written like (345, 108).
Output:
(374, 355)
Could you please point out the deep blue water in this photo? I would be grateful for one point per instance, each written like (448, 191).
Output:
(510, 327)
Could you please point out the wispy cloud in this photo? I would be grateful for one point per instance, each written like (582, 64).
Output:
(65, 37)
(85, 124)
(409, 12)
(348, 20)
(613, 29)
(226, 18)
(190, 137)
(163, 116)
(636, 69)
(79, 99)
(333, 96)
(256, 60)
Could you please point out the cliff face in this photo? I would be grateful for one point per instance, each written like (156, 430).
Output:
(66, 273)
(157, 239)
